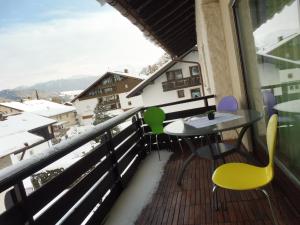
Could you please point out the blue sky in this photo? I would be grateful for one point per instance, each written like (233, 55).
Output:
(42, 40)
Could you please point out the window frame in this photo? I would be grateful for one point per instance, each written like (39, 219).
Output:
(168, 73)
(191, 69)
(180, 91)
(193, 89)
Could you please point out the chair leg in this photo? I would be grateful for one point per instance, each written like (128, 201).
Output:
(270, 205)
(170, 149)
(150, 145)
(179, 144)
(157, 147)
(213, 203)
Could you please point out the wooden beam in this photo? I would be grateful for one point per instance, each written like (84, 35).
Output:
(159, 25)
(185, 32)
(165, 15)
(176, 29)
(177, 24)
(165, 10)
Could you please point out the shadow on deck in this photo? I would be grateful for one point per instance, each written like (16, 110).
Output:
(191, 203)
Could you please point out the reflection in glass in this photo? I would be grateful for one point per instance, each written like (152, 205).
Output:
(269, 32)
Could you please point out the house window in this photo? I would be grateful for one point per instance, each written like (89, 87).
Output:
(126, 85)
(194, 70)
(174, 74)
(180, 93)
(195, 93)
(107, 90)
(270, 55)
(107, 80)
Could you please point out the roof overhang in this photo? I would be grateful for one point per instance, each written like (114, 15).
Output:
(169, 23)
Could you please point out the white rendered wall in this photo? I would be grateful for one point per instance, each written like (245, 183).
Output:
(135, 101)
(153, 94)
(85, 108)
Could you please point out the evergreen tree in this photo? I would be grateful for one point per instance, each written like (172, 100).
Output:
(101, 115)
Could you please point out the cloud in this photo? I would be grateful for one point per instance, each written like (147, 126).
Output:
(88, 44)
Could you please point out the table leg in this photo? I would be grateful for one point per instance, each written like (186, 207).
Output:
(192, 147)
(184, 166)
(246, 155)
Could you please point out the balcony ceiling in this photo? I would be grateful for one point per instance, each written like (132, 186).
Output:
(169, 23)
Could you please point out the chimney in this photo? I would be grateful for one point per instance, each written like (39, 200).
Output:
(37, 95)
(125, 70)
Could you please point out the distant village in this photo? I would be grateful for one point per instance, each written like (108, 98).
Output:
(32, 125)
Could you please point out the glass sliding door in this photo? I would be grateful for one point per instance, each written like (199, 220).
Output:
(269, 36)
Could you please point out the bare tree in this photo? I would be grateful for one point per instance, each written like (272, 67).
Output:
(147, 70)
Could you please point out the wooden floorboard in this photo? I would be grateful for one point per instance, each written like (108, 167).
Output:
(190, 203)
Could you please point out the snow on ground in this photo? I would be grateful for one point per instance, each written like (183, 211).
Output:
(139, 191)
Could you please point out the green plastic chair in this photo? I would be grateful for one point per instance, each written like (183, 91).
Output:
(154, 117)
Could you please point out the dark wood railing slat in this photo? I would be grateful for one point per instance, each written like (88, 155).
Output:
(101, 212)
(47, 192)
(125, 161)
(131, 170)
(119, 152)
(67, 201)
(93, 198)
(13, 216)
(120, 137)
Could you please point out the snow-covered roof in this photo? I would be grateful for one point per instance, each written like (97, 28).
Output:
(74, 92)
(137, 76)
(14, 142)
(40, 107)
(23, 122)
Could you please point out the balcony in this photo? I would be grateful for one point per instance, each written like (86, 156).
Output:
(89, 188)
(181, 83)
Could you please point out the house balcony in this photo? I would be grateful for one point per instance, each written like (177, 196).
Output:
(87, 191)
(181, 83)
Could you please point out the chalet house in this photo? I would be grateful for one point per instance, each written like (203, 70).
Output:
(110, 90)
(64, 115)
(175, 81)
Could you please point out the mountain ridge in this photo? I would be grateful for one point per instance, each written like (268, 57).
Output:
(49, 88)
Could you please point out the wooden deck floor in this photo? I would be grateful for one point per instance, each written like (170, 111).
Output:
(191, 203)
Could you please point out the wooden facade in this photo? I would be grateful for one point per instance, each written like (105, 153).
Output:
(107, 89)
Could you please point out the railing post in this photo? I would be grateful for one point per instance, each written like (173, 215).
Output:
(113, 159)
(205, 102)
(141, 133)
(18, 194)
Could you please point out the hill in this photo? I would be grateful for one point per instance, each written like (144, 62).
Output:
(49, 88)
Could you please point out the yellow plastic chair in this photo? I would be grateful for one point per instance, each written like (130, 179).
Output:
(242, 176)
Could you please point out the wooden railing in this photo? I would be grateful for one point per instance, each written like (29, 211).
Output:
(181, 83)
(88, 188)
(284, 88)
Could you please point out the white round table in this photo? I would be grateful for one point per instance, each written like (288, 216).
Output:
(289, 106)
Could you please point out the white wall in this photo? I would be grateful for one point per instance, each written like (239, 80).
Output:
(135, 101)
(85, 108)
(153, 94)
